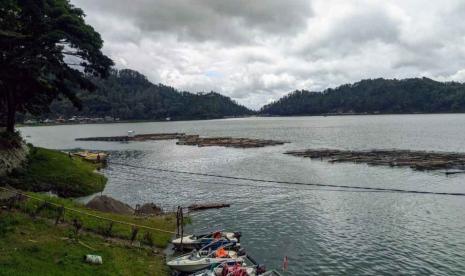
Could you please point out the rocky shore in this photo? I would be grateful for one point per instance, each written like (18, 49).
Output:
(13, 158)
(417, 160)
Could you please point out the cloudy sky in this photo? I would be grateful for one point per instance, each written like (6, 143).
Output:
(256, 51)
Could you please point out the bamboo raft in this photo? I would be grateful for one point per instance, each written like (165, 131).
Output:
(195, 140)
(139, 137)
(191, 140)
(417, 160)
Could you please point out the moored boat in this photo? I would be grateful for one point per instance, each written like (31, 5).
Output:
(92, 156)
(202, 259)
(215, 239)
(246, 268)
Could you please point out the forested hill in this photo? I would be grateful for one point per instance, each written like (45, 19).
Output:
(417, 95)
(128, 95)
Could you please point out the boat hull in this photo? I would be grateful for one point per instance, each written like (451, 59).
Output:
(190, 266)
(189, 242)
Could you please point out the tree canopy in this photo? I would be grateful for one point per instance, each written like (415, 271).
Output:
(46, 50)
(417, 95)
(128, 95)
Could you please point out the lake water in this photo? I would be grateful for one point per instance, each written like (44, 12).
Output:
(322, 231)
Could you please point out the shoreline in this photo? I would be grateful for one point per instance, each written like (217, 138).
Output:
(128, 122)
(110, 234)
(21, 125)
(360, 114)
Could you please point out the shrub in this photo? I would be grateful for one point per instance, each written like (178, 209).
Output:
(9, 140)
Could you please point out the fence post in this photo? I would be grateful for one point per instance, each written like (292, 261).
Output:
(182, 226)
(39, 209)
(149, 238)
(11, 202)
(177, 222)
(108, 231)
(77, 225)
(64, 214)
(60, 215)
(134, 232)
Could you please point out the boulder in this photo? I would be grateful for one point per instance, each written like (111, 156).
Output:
(149, 209)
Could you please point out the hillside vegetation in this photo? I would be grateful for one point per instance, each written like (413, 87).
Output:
(417, 95)
(51, 170)
(128, 95)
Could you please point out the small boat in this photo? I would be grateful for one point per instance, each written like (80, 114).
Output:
(202, 259)
(229, 269)
(215, 239)
(92, 156)
(236, 269)
(243, 269)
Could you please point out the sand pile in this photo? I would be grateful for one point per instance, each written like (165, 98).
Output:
(107, 204)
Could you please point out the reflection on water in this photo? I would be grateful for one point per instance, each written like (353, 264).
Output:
(322, 231)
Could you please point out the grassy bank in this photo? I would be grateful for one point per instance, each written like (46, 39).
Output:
(99, 226)
(31, 246)
(34, 247)
(51, 170)
(31, 243)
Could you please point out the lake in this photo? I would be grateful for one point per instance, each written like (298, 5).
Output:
(321, 230)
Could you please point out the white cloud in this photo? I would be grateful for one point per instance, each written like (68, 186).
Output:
(257, 51)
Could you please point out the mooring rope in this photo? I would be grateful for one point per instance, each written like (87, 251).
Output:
(228, 183)
(290, 182)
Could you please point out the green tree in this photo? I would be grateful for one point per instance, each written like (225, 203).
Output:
(374, 96)
(128, 95)
(46, 51)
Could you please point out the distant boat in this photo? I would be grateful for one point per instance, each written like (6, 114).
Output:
(92, 156)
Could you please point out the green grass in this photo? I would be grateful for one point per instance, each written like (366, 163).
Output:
(35, 247)
(38, 247)
(51, 170)
(160, 239)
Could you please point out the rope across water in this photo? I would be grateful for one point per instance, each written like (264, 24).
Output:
(292, 183)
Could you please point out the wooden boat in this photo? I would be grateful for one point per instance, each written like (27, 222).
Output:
(228, 269)
(246, 268)
(215, 239)
(202, 259)
(92, 156)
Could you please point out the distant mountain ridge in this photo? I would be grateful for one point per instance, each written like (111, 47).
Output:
(415, 95)
(128, 95)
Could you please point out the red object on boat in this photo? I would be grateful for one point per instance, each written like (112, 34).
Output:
(221, 253)
(235, 270)
(217, 235)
